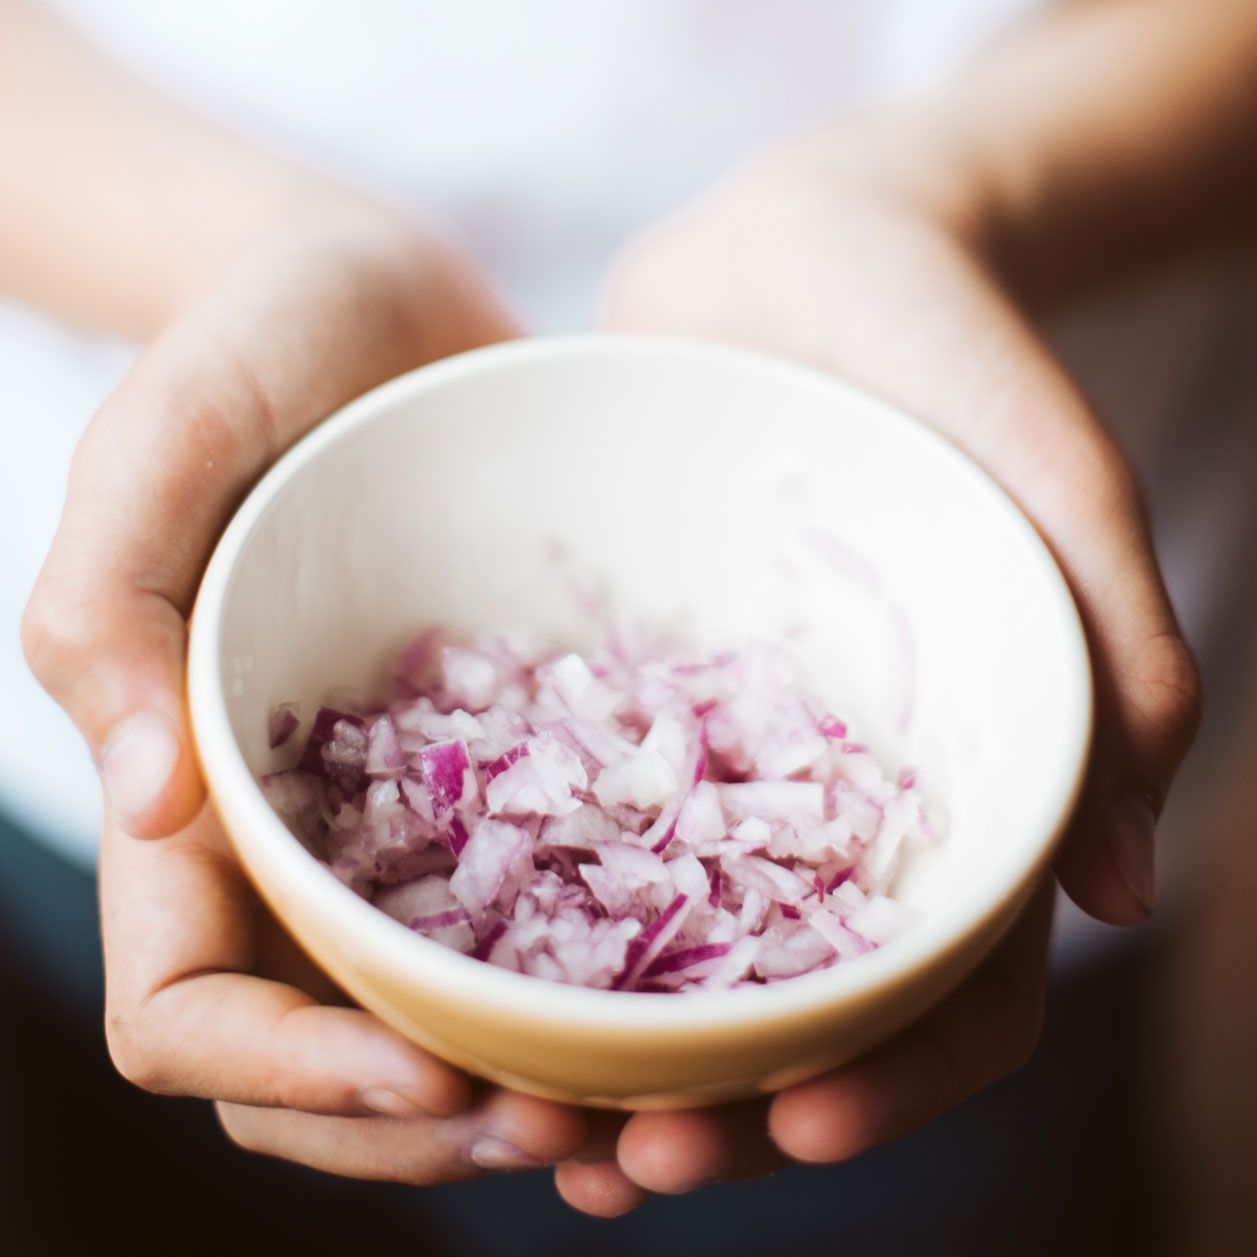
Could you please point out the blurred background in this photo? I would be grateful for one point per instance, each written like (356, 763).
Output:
(540, 136)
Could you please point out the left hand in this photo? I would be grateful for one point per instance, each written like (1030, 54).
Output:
(205, 994)
(867, 268)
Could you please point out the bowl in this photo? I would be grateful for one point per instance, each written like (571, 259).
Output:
(739, 495)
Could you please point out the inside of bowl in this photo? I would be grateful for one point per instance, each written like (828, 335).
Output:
(742, 499)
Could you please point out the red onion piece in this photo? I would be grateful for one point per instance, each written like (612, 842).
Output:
(283, 724)
(445, 768)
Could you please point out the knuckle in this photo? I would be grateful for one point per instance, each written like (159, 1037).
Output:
(228, 429)
(185, 416)
(130, 1057)
(1103, 478)
(53, 631)
(1169, 676)
(242, 1130)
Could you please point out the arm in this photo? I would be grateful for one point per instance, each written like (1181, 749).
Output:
(1133, 145)
(270, 298)
(1097, 140)
(902, 248)
(120, 207)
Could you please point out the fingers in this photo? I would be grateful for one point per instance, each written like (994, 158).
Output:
(679, 1151)
(1147, 691)
(591, 1181)
(298, 330)
(1038, 436)
(985, 1030)
(294, 1079)
(185, 1015)
(667, 1152)
(506, 1131)
(1074, 483)
(598, 1188)
(1148, 702)
(243, 1039)
(114, 660)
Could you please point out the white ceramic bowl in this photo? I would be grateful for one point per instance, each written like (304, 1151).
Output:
(750, 497)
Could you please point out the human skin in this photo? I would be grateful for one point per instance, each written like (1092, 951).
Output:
(856, 281)
(901, 249)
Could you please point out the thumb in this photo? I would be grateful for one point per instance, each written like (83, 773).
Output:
(1148, 710)
(1147, 694)
(114, 661)
(309, 323)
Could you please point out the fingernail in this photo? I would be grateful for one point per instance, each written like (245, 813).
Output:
(1132, 826)
(136, 763)
(491, 1153)
(388, 1103)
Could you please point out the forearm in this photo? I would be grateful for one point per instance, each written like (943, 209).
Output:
(1095, 140)
(1124, 135)
(117, 207)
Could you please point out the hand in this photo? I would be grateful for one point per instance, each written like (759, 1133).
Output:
(206, 997)
(850, 260)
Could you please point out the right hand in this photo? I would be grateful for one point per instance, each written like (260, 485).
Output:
(205, 994)
(826, 252)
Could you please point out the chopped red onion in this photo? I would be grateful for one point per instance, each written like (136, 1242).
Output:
(445, 768)
(494, 853)
(686, 958)
(649, 944)
(283, 724)
(384, 750)
(637, 820)
(344, 756)
(426, 905)
(325, 721)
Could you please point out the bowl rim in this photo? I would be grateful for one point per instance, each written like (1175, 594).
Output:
(462, 978)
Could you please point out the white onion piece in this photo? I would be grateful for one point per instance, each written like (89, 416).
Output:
(701, 819)
(634, 865)
(646, 780)
(541, 782)
(752, 831)
(788, 957)
(689, 877)
(667, 736)
(774, 800)
(384, 749)
(493, 853)
(470, 678)
(428, 906)
(584, 827)
(423, 718)
(879, 920)
(791, 757)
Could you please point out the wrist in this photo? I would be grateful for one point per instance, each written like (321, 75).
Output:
(297, 215)
(908, 160)
(934, 162)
